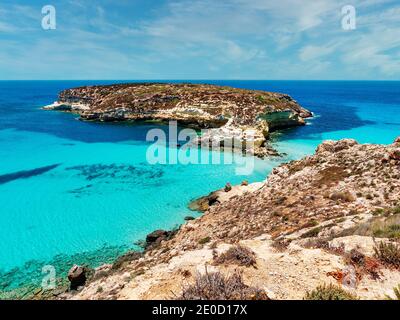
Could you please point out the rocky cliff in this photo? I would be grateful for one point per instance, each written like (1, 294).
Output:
(330, 218)
(228, 111)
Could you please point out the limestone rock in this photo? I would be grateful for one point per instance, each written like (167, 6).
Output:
(335, 146)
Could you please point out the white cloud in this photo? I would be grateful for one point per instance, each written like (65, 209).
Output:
(312, 52)
(248, 38)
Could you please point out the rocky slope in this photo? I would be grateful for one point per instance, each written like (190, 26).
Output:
(231, 113)
(317, 220)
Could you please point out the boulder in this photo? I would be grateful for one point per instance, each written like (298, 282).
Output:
(156, 237)
(326, 146)
(203, 204)
(77, 277)
(245, 183)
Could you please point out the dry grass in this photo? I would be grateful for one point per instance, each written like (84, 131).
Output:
(215, 286)
(379, 227)
(396, 292)
(329, 292)
(280, 245)
(237, 254)
(387, 228)
(204, 240)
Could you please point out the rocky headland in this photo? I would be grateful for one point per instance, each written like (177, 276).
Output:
(329, 221)
(229, 113)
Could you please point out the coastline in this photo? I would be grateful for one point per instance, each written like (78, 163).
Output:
(189, 248)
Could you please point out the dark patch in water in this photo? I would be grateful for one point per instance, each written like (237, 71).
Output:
(114, 171)
(331, 118)
(81, 191)
(122, 177)
(5, 178)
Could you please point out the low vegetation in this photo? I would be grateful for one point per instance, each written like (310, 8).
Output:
(329, 292)
(381, 226)
(396, 292)
(204, 240)
(388, 253)
(281, 245)
(215, 286)
(387, 228)
(237, 254)
(312, 233)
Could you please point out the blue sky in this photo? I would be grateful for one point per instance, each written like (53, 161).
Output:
(203, 39)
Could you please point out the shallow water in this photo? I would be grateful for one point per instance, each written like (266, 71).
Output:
(73, 191)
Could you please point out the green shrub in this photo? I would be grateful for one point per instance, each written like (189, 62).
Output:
(388, 253)
(329, 292)
(396, 210)
(312, 233)
(391, 231)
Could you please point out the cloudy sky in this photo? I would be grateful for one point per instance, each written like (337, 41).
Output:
(200, 39)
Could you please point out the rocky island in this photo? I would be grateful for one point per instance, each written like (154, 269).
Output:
(228, 112)
(323, 227)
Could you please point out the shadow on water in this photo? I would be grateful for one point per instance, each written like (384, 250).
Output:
(329, 118)
(5, 178)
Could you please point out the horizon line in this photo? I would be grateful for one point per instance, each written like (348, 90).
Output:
(154, 80)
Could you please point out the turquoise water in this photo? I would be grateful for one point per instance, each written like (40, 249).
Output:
(73, 191)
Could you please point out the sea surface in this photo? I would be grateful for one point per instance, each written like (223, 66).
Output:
(80, 192)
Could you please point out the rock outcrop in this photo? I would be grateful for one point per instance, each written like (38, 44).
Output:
(230, 114)
(77, 277)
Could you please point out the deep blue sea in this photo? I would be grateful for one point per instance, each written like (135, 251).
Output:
(79, 192)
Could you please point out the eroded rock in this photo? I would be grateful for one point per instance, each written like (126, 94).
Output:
(77, 277)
